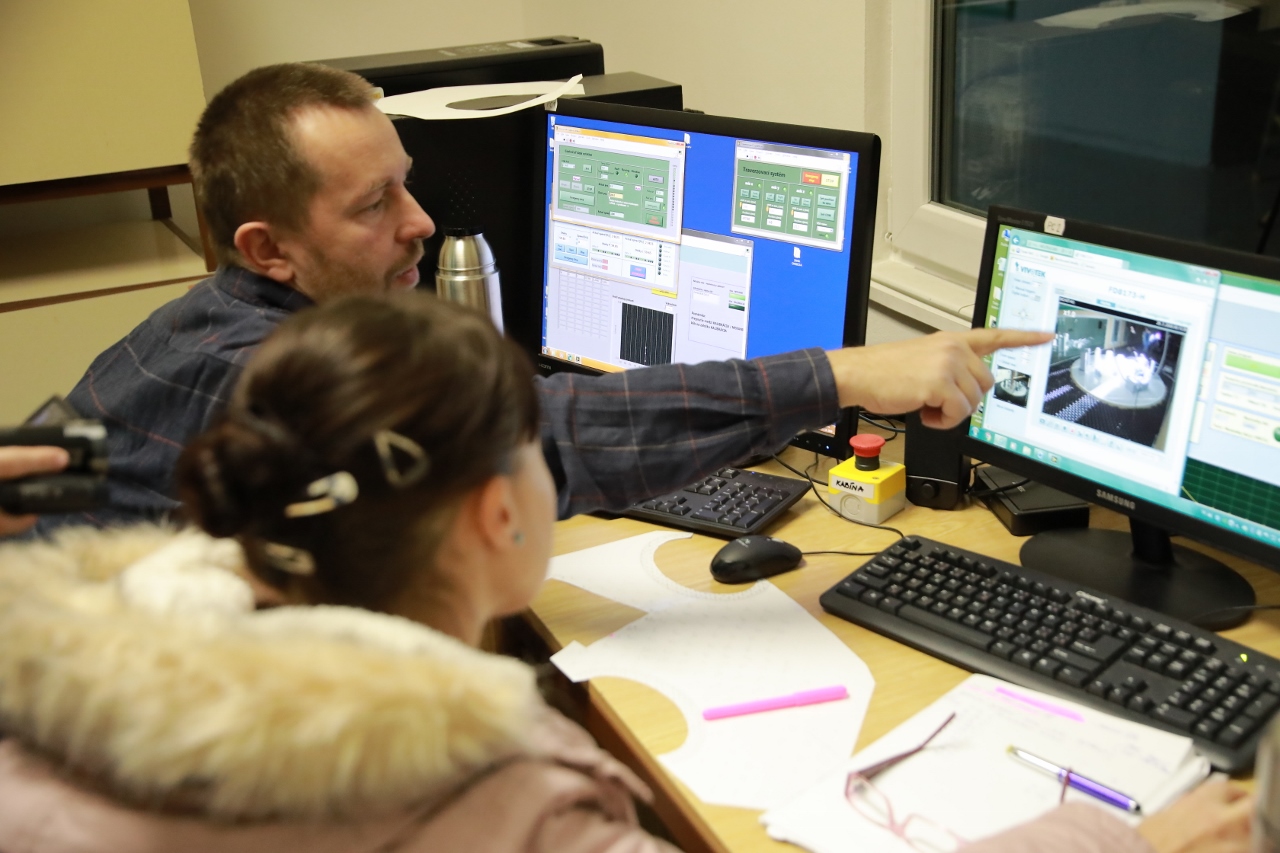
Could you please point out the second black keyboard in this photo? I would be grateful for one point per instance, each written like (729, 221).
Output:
(730, 502)
(1051, 635)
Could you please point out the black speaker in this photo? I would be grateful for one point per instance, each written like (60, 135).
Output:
(937, 471)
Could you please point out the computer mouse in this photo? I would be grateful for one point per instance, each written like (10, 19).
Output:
(751, 558)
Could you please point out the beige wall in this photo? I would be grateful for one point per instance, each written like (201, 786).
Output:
(751, 58)
(233, 36)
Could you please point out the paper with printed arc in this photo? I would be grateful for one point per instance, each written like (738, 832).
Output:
(702, 650)
(965, 782)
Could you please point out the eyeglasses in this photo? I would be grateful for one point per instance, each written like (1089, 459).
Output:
(917, 831)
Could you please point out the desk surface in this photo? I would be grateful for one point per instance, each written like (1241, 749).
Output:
(638, 723)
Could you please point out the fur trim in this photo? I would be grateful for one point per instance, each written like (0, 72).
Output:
(296, 713)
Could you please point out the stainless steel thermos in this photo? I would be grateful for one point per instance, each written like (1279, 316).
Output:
(466, 272)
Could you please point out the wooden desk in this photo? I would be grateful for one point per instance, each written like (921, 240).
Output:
(636, 723)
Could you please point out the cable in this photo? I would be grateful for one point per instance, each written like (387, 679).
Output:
(1195, 620)
(998, 490)
(884, 423)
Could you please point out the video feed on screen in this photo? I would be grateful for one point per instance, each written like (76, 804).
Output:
(1011, 386)
(1113, 372)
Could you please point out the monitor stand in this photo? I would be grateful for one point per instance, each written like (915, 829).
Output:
(1144, 568)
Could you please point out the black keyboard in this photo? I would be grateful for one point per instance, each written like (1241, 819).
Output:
(729, 503)
(1051, 635)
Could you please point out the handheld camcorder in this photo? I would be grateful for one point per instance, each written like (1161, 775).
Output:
(82, 485)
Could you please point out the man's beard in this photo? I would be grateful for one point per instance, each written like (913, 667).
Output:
(328, 279)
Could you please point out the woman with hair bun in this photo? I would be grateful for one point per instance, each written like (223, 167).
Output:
(377, 478)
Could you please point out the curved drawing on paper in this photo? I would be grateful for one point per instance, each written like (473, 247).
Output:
(701, 651)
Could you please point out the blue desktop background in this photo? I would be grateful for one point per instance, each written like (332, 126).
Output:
(792, 307)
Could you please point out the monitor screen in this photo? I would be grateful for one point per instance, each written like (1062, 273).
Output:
(677, 237)
(1160, 393)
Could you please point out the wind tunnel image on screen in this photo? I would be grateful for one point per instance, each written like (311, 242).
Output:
(1011, 386)
(1113, 372)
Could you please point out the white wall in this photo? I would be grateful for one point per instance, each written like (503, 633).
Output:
(751, 58)
(234, 36)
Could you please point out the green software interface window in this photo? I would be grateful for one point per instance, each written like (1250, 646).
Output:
(632, 184)
(614, 186)
(790, 193)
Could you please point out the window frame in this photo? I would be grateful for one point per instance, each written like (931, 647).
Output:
(928, 269)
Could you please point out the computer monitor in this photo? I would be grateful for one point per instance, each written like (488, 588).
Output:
(1159, 397)
(682, 237)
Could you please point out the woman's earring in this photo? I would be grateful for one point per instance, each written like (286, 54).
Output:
(518, 538)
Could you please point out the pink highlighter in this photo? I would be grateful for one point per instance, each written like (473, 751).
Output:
(793, 700)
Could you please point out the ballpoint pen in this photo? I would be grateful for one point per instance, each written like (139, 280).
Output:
(1074, 780)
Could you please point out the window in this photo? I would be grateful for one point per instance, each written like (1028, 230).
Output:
(1157, 115)
(1147, 114)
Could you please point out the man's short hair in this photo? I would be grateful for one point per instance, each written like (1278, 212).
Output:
(244, 161)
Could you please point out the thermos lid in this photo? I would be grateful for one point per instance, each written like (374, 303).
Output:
(464, 251)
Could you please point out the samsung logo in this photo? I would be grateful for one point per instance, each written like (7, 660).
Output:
(1115, 499)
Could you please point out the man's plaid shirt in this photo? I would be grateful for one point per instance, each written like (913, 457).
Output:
(610, 440)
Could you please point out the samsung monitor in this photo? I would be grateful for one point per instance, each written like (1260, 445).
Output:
(683, 237)
(1159, 397)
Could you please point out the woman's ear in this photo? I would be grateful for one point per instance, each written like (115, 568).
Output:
(262, 252)
(496, 515)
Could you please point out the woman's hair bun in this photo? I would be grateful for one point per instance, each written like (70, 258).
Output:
(239, 473)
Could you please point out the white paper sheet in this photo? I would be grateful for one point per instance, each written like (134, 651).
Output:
(964, 781)
(437, 103)
(702, 651)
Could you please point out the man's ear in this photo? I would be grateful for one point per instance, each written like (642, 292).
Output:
(262, 253)
(496, 517)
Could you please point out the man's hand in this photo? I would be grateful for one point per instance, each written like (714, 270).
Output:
(942, 374)
(1214, 818)
(18, 462)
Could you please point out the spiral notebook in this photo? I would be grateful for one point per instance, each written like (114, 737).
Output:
(965, 786)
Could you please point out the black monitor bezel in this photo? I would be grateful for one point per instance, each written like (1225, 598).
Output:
(1175, 523)
(866, 194)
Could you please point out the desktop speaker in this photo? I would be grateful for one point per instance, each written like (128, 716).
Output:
(937, 470)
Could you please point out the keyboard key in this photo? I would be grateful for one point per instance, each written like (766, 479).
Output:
(890, 604)
(947, 628)
(1180, 719)
(1263, 707)
(1234, 734)
(851, 588)
(871, 580)
(1026, 658)
(1048, 667)
(1141, 704)
(1073, 660)
(1071, 675)
(1104, 649)
(1002, 648)
(1206, 729)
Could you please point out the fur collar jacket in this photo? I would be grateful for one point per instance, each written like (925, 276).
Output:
(148, 706)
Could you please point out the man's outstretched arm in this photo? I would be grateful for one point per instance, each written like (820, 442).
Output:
(614, 439)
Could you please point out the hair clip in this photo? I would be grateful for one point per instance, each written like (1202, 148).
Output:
(386, 442)
(328, 494)
(289, 559)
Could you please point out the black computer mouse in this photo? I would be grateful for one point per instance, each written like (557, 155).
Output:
(752, 558)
